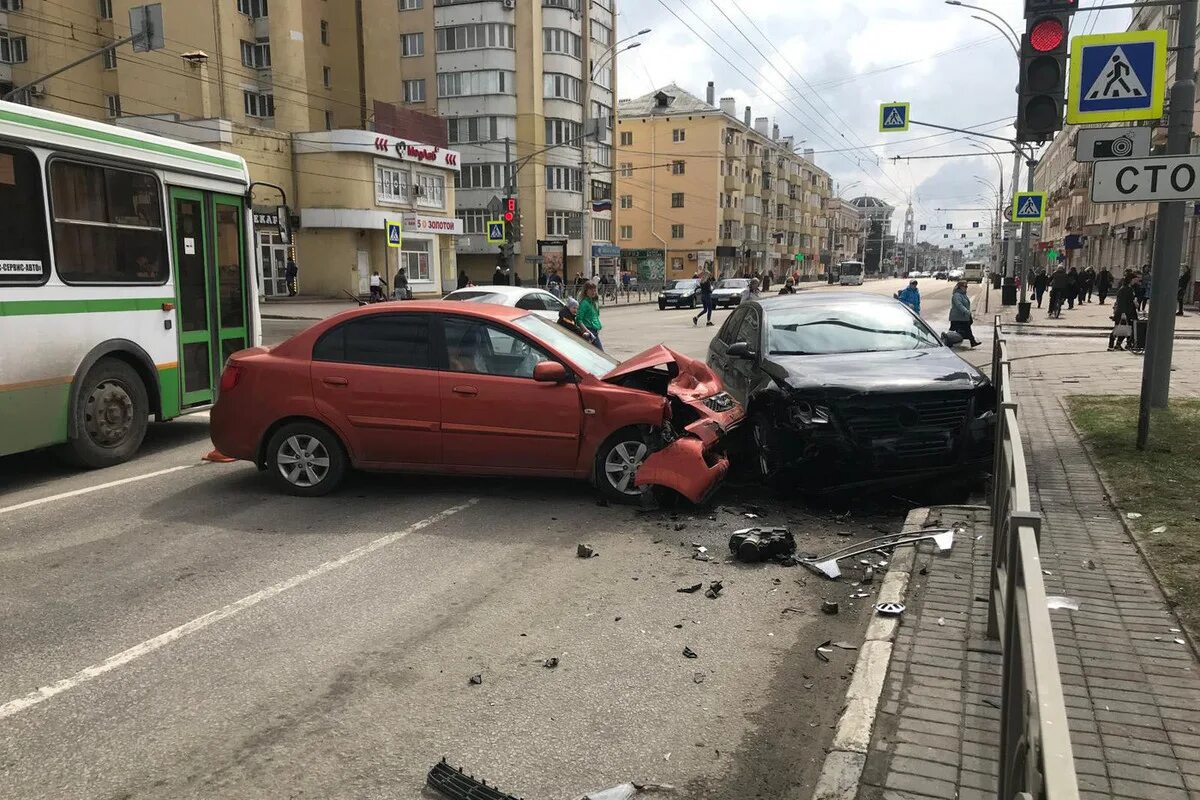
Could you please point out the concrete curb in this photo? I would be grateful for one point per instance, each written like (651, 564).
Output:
(847, 756)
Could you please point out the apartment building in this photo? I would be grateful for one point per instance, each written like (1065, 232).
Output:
(527, 88)
(699, 187)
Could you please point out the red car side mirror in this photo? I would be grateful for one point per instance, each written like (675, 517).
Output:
(550, 372)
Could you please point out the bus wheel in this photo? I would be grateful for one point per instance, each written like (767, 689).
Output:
(111, 414)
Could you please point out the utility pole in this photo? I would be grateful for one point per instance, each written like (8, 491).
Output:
(506, 249)
(1168, 235)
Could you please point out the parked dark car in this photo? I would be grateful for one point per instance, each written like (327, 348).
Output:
(848, 390)
(680, 293)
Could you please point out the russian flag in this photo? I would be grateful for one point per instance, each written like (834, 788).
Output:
(602, 205)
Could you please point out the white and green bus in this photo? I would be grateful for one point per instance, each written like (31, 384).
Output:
(126, 279)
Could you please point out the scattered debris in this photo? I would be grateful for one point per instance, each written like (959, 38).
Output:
(1090, 564)
(827, 565)
(689, 652)
(941, 620)
(550, 663)
(454, 783)
(585, 551)
(1055, 601)
(602, 502)
(790, 610)
(924, 570)
(1133, 515)
(679, 526)
(1159, 529)
(714, 590)
(822, 649)
(616, 619)
(695, 587)
(625, 791)
(1176, 630)
(1179, 641)
(476, 679)
(845, 646)
(890, 609)
(698, 677)
(868, 575)
(860, 595)
(762, 544)
(829, 607)
(679, 626)
(701, 552)
(989, 701)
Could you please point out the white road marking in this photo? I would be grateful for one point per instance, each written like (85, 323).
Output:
(162, 640)
(96, 488)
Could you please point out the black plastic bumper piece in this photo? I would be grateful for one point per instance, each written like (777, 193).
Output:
(457, 785)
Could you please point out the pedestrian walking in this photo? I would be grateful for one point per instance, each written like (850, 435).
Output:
(1040, 282)
(463, 280)
(554, 283)
(589, 312)
(1141, 289)
(1185, 283)
(789, 287)
(754, 289)
(1058, 291)
(1124, 316)
(961, 316)
(1088, 284)
(1072, 287)
(1104, 281)
(706, 300)
(498, 278)
(766, 281)
(290, 273)
(911, 297)
(568, 318)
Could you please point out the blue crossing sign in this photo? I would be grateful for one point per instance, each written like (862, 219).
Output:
(495, 231)
(1117, 77)
(395, 233)
(1029, 207)
(893, 117)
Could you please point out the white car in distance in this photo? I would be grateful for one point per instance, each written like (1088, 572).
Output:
(529, 298)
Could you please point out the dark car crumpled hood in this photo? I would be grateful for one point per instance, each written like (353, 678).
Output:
(934, 369)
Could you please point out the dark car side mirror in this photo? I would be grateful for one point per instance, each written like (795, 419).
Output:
(951, 338)
(741, 350)
(550, 372)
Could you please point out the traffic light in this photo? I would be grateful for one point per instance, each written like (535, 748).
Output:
(1042, 88)
(512, 219)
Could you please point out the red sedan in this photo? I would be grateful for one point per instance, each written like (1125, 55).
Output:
(465, 388)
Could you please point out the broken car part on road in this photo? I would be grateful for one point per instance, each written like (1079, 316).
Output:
(455, 784)
(827, 565)
(762, 544)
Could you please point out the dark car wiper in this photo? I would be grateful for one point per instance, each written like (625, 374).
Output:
(794, 353)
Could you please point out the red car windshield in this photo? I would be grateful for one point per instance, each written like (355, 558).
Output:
(580, 353)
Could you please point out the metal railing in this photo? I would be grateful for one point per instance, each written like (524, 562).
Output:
(1036, 760)
(644, 291)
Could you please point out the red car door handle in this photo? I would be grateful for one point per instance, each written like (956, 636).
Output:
(465, 391)
(335, 381)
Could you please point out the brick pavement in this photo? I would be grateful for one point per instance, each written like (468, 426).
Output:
(1132, 693)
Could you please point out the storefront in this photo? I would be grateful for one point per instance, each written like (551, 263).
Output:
(608, 258)
(647, 264)
(271, 252)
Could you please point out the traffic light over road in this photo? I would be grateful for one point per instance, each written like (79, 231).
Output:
(512, 219)
(1041, 93)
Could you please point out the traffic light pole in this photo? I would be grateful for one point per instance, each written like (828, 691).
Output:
(1168, 237)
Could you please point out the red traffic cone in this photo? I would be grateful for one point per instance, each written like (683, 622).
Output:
(217, 457)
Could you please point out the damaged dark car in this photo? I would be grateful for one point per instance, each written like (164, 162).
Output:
(847, 390)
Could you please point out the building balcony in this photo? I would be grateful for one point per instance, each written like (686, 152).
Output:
(732, 150)
(733, 183)
(753, 188)
(753, 217)
(737, 214)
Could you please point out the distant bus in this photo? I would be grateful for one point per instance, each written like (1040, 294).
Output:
(850, 273)
(973, 271)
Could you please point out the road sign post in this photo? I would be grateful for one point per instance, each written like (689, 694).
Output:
(395, 233)
(1107, 144)
(1161, 179)
(1117, 77)
(893, 117)
(495, 231)
(1029, 206)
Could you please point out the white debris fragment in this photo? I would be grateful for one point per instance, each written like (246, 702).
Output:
(1133, 515)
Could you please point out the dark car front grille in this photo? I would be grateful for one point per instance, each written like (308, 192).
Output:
(907, 430)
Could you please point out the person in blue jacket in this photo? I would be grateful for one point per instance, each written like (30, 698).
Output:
(911, 297)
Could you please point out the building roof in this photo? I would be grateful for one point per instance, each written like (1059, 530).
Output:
(678, 101)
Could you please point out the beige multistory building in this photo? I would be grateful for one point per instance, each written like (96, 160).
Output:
(323, 98)
(699, 187)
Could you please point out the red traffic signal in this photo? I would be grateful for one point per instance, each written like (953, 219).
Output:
(510, 209)
(1047, 34)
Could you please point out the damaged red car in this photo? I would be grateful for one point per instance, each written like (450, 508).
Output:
(463, 388)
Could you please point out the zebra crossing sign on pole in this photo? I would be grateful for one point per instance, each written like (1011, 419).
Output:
(1117, 77)
(893, 117)
(395, 233)
(1029, 207)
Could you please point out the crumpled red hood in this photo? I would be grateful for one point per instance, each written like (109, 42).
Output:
(695, 380)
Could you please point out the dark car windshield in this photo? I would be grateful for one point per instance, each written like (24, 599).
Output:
(476, 297)
(847, 328)
(734, 283)
(690, 283)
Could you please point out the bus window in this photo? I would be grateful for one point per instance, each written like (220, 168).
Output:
(24, 251)
(107, 225)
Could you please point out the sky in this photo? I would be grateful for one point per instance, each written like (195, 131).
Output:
(820, 69)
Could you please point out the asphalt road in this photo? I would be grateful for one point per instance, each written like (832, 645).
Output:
(176, 629)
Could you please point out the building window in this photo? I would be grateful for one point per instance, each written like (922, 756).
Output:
(602, 230)
(602, 154)
(112, 105)
(391, 185)
(626, 169)
(678, 135)
(564, 179)
(677, 200)
(626, 232)
(482, 176)
(603, 77)
(104, 9)
(626, 138)
(110, 58)
(558, 40)
(107, 225)
(601, 190)
(251, 8)
(257, 54)
(570, 5)
(259, 104)
(626, 201)
(464, 130)
(328, 120)
(601, 33)
(563, 131)
(410, 5)
(10, 5)
(473, 83)
(556, 223)
(414, 91)
(604, 112)
(327, 77)
(474, 220)
(677, 167)
(558, 86)
(676, 231)
(324, 32)
(415, 258)
(412, 44)
(476, 36)
(12, 49)
(431, 190)
(24, 245)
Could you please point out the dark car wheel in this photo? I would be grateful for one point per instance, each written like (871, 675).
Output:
(617, 462)
(111, 415)
(306, 459)
(662, 306)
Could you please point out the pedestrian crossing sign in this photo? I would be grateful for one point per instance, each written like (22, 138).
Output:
(495, 231)
(1117, 77)
(395, 233)
(893, 117)
(1029, 207)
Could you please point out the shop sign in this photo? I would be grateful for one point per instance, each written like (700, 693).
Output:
(419, 223)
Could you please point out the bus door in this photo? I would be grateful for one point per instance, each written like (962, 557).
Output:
(207, 231)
